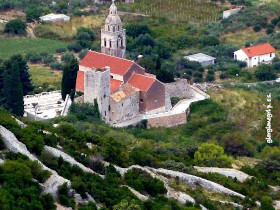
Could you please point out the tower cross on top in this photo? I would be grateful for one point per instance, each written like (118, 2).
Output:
(113, 1)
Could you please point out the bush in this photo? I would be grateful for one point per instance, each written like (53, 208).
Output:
(136, 29)
(67, 57)
(223, 76)
(83, 53)
(265, 72)
(210, 78)
(48, 59)
(16, 26)
(197, 79)
(56, 66)
(35, 58)
(257, 28)
(32, 14)
(197, 74)
(74, 47)
(269, 30)
(60, 50)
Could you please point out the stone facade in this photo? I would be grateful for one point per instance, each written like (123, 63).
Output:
(124, 104)
(113, 36)
(97, 86)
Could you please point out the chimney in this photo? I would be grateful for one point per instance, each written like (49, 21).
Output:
(248, 49)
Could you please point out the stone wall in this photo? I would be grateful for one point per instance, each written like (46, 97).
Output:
(168, 121)
(126, 109)
(97, 86)
(180, 88)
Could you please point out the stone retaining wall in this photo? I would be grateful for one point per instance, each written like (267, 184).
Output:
(168, 121)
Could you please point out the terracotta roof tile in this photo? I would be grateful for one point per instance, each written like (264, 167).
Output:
(141, 82)
(124, 91)
(98, 60)
(114, 84)
(258, 50)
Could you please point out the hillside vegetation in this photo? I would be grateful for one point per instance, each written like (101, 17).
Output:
(14, 45)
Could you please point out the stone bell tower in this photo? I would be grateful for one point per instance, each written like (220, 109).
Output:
(113, 40)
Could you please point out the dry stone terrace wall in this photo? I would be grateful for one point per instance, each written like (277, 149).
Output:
(69, 159)
(193, 180)
(229, 172)
(11, 142)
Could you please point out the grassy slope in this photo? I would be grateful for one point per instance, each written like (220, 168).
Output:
(10, 46)
(67, 30)
(43, 76)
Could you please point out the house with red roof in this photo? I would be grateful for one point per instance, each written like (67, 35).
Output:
(255, 55)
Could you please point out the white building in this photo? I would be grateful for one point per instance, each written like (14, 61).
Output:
(46, 105)
(203, 59)
(255, 55)
(51, 18)
(230, 12)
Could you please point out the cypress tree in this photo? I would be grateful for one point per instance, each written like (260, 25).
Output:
(23, 71)
(6, 101)
(158, 63)
(69, 77)
(65, 84)
(73, 70)
(16, 100)
(1, 84)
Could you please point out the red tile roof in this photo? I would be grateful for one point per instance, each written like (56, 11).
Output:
(258, 50)
(99, 60)
(80, 81)
(141, 82)
(114, 84)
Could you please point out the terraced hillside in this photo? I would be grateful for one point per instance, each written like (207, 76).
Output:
(190, 10)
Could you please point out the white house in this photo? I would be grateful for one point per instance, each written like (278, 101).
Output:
(51, 18)
(203, 59)
(255, 55)
(230, 12)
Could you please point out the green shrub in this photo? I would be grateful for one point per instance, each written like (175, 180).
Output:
(16, 26)
(257, 28)
(56, 65)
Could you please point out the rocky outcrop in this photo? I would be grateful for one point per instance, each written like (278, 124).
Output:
(229, 172)
(1, 161)
(194, 180)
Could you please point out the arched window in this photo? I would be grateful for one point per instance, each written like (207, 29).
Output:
(110, 44)
(114, 28)
(121, 42)
(105, 42)
(108, 28)
(117, 43)
(119, 30)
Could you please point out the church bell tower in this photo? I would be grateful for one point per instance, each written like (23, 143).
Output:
(113, 40)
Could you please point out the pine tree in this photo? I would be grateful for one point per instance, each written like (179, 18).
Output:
(16, 100)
